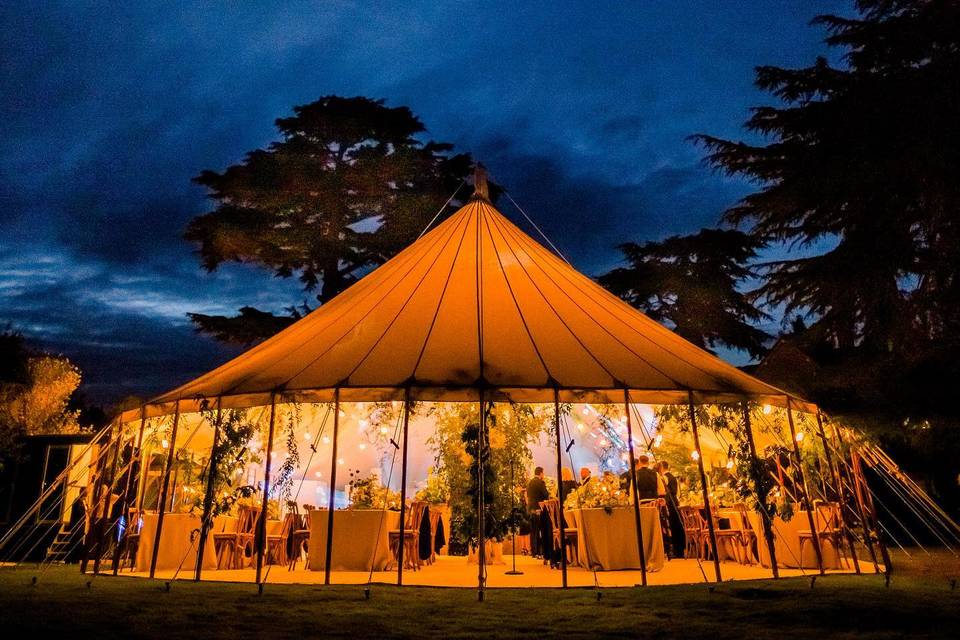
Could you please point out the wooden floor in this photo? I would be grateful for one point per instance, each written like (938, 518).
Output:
(453, 571)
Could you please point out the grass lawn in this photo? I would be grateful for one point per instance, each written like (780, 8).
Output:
(919, 603)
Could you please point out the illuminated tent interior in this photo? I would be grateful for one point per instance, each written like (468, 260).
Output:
(365, 414)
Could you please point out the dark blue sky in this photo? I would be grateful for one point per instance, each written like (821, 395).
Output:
(581, 111)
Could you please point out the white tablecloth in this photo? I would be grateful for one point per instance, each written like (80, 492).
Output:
(175, 545)
(608, 540)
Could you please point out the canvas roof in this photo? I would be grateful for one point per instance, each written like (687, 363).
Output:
(474, 304)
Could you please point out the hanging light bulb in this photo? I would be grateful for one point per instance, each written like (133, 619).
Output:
(307, 437)
(317, 474)
(695, 454)
(384, 430)
(165, 444)
(729, 464)
(343, 414)
(326, 439)
(363, 446)
(340, 461)
(767, 409)
(658, 441)
(364, 424)
(603, 442)
(580, 427)
(800, 436)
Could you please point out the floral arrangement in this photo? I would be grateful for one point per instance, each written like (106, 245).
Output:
(436, 489)
(603, 492)
(367, 492)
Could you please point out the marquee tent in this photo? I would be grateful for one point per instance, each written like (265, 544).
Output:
(475, 304)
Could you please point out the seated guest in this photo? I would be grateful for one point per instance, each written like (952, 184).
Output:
(584, 476)
(536, 493)
(646, 479)
(567, 484)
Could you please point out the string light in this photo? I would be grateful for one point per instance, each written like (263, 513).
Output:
(580, 427)
(767, 409)
(165, 444)
(658, 441)
(307, 437)
(363, 446)
(729, 464)
(800, 436)
(317, 474)
(384, 430)
(695, 454)
(340, 461)
(326, 439)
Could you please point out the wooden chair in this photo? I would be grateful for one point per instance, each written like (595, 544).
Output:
(693, 532)
(236, 546)
(411, 537)
(571, 535)
(826, 517)
(299, 535)
(733, 536)
(434, 527)
(750, 539)
(277, 542)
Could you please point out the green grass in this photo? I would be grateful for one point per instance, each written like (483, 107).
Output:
(919, 602)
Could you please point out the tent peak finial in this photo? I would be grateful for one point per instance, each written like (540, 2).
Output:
(480, 190)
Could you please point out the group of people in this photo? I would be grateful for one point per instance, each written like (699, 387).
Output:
(654, 483)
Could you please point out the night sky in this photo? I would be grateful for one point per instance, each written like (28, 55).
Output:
(109, 111)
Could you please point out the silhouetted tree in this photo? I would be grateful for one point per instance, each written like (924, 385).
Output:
(348, 185)
(690, 283)
(862, 158)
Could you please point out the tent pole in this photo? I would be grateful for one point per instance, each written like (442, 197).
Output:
(703, 483)
(125, 512)
(90, 536)
(871, 510)
(765, 522)
(841, 497)
(162, 506)
(102, 529)
(208, 494)
(806, 491)
(563, 531)
(333, 486)
(635, 493)
(403, 488)
(481, 506)
(261, 533)
(858, 501)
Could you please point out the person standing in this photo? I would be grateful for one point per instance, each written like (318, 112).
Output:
(536, 493)
(646, 479)
(672, 497)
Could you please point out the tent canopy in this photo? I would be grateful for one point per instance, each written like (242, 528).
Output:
(475, 304)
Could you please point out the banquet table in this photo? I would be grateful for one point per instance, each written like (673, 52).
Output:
(607, 540)
(787, 543)
(361, 539)
(175, 545)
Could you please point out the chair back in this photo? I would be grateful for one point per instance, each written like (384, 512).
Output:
(415, 515)
(744, 520)
(827, 516)
(691, 519)
(552, 507)
(247, 519)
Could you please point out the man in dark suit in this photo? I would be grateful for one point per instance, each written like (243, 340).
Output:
(536, 493)
(646, 479)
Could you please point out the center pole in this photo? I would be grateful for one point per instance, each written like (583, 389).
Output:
(208, 496)
(635, 490)
(563, 532)
(328, 557)
(403, 490)
(162, 507)
(481, 507)
(262, 522)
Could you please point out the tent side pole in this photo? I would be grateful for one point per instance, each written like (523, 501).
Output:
(125, 511)
(703, 484)
(635, 493)
(261, 532)
(870, 509)
(403, 488)
(165, 487)
(102, 528)
(208, 494)
(806, 492)
(841, 495)
(328, 553)
(858, 501)
(563, 531)
(765, 522)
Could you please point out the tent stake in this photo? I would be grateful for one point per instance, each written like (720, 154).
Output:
(208, 494)
(765, 521)
(333, 486)
(261, 544)
(703, 483)
(403, 489)
(162, 507)
(634, 490)
(806, 492)
(563, 531)
(841, 496)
